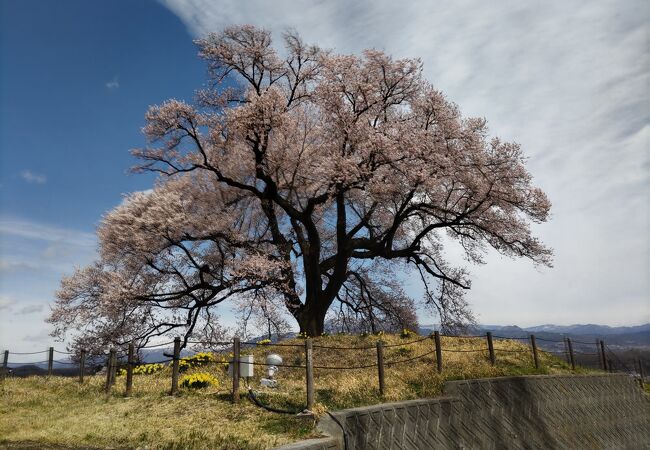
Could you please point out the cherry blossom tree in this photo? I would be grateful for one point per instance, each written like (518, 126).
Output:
(304, 178)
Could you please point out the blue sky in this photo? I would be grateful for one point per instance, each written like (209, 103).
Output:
(568, 80)
(76, 79)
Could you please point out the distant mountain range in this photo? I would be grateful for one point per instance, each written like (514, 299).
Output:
(621, 337)
(66, 369)
(590, 329)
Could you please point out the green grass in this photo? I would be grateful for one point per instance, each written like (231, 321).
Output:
(59, 412)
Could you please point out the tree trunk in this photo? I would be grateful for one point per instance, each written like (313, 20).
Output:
(312, 320)
(311, 316)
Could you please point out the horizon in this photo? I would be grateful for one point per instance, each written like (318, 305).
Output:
(572, 89)
(551, 324)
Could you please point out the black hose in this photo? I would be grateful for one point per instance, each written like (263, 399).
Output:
(252, 397)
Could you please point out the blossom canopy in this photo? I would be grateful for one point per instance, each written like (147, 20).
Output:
(304, 181)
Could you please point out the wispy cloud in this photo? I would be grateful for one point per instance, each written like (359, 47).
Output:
(30, 309)
(45, 232)
(125, 197)
(32, 177)
(5, 303)
(113, 84)
(35, 256)
(568, 80)
(41, 336)
(7, 266)
(27, 247)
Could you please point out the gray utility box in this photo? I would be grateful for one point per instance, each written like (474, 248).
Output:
(245, 366)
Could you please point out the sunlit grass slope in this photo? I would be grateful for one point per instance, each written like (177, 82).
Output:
(58, 411)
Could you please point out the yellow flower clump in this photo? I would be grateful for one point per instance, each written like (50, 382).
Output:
(198, 359)
(147, 369)
(406, 333)
(199, 380)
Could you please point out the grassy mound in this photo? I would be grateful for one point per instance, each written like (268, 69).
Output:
(58, 411)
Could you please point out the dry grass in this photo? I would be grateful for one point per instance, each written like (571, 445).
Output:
(59, 411)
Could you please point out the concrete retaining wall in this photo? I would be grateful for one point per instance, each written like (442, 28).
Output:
(564, 412)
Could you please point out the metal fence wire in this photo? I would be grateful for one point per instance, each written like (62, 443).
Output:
(603, 357)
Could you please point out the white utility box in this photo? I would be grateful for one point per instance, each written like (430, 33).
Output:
(245, 366)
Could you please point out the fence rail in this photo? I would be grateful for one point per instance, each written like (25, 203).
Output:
(603, 357)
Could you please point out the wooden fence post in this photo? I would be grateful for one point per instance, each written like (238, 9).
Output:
(491, 348)
(107, 387)
(175, 365)
(436, 339)
(533, 344)
(82, 366)
(235, 370)
(641, 377)
(309, 372)
(110, 362)
(50, 361)
(571, 356)
(129, 371)
(380, 366)
(113, 367)
(5, 364)
(602, 355)
(566, 350)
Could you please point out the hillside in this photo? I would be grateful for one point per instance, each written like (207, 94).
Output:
(58, 411)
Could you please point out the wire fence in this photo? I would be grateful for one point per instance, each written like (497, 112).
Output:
(576, 354)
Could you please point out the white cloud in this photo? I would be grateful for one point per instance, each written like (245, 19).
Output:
(125, 197)
(30, 309)
(10, 226)
(41, 336)
(34, 258)
(12, 266)
(32, 177)
(5, 303)
(113, 84)
(28, 247)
